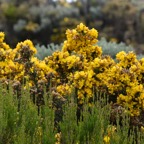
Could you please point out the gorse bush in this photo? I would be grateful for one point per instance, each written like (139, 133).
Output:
(79, 65)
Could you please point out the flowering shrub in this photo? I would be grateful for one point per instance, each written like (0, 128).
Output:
(80, 65)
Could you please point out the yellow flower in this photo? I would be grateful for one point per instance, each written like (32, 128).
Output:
(81, 40)
(19, 76)
(81, 26)
(90, 74)
(26, 43)
(94, 32)
(142, 129)
(88, 91)
(58, 135)
(121, 55)
(2, 72)
(2, 35)
(64, 89)
(71, 61)
(82, 74)
(81, 83)
(80, 95)
(5, 46)
(106, 139)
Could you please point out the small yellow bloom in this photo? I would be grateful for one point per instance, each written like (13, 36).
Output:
(2, 35)
(107, 140)
(121, 55)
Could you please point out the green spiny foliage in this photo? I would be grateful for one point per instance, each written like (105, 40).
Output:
(94, 125)
(26, 126)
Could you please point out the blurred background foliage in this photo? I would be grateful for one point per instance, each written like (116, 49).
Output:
(45, 21)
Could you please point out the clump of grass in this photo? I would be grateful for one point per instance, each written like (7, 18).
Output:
(24, 125)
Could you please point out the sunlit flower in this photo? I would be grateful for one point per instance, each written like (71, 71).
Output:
(2, 35)
(106, 139)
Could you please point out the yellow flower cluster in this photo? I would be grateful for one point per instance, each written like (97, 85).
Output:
(126, 60)
(40, 69)
(64, 89)
(83, 82)
(8, 68)
(110, 132)
(58, 138)
(79, 65)
(25, 50)
(19, 64)
(81, 41)
(2, 35)
(134, 99)
(57, 60)
(124, 82)
(64, 64)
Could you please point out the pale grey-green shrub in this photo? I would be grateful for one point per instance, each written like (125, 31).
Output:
(108, 48)
(112, 48)
(44, 51)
